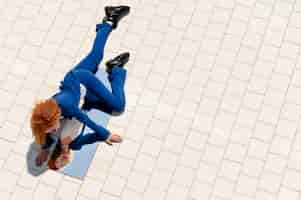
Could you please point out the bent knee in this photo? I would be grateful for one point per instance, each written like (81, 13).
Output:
(119, 109)
(114, 113)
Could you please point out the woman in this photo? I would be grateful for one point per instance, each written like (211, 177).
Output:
(46, 115)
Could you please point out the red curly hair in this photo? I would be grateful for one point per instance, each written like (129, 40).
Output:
(45, 115)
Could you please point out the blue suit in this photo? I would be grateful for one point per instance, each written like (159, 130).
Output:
(83, 73)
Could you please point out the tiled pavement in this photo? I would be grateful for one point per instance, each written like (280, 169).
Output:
(213, 98)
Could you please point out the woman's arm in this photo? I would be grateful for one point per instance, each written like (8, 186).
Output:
(81, 116)
(65, 144)
(66, 141)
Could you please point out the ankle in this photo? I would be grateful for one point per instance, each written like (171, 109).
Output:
(108, 21)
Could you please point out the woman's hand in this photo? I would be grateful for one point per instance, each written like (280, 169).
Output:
(63, 159)
(65, 148)
(66, 141)
(114, 138)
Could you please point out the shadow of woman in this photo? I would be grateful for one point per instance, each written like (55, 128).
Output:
(33, 152)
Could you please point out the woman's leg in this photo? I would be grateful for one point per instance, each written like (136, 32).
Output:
(112, 102)
(92, 102)
(92, 60)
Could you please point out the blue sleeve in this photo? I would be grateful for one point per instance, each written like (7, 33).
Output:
(81, 116)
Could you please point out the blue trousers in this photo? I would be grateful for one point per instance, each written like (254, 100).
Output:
(97, 94)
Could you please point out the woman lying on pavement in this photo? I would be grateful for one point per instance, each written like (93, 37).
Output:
(46, 115)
